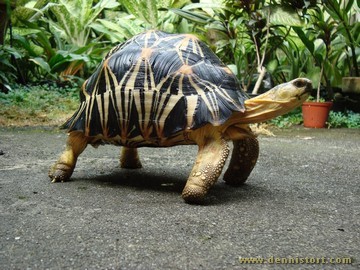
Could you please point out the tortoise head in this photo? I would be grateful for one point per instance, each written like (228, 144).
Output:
(277, 101)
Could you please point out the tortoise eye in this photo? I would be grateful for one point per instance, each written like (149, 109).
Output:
(299, 83)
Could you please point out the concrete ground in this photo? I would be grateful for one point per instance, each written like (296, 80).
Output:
(300, 205)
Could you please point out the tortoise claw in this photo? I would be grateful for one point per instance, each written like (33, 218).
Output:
(60, 173)
(194, 194)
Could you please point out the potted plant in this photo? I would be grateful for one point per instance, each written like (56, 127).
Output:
(346, 13)
(332, 43)
(319, 42)
(316, 113)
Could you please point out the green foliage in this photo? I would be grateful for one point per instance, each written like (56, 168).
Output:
(346, 119)
(155, 14)
(292, 118)
(147, 10)
(38, 104)
(40, 97)
(345, 17)
(294, 38)
(331, 37)
(122, 27)
(58, 39)
(73, 19)
(8, 71)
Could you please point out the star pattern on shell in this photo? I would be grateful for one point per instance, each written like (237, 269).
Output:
(154, 86)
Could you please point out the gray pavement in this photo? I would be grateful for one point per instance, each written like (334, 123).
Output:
(301, 201)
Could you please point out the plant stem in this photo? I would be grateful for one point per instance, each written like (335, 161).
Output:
(319, 84)
(260, 68)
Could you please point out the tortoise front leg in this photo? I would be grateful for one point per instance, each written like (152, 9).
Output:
(243, 160)
(64, 167)
(129, 158)
(210, 160)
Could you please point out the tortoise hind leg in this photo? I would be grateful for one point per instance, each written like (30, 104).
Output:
(64, 167)
(243, 160)
(129, 158)
(210, 160)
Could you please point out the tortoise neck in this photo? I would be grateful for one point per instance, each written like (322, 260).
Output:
(260, 110)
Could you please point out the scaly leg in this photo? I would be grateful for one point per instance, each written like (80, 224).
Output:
(210, 160)
(129, 158)
(243, 160)
(64, 167)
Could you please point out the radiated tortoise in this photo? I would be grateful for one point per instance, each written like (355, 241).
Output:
(160, 90)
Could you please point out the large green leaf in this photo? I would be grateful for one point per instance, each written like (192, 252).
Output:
(42, 63)
(131, 25)
(25, 31)
(124, 28)
(146, 10)
(25, 44)
(334, 9)
(307, 42)
(206, 6)
(115, 32)
(61, 60)
(195, 17)
(74, 18)
(280, 15)
(29, 12)
(40, 36)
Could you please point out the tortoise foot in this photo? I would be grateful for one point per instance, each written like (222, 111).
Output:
(243, 160)
(60, 172)
(235, 178)
(129, 158)
(212, 153)
(131, 164)
(193, 194)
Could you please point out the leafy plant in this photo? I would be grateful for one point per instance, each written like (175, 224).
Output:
(332, 42)
(58, 35)
(155, 13)
(119, 27)
(72, 20)
(345, 14)
(347, 119)
(285, 121)
(39, 104)
(291, 60)
(147, 11)
(8, 71)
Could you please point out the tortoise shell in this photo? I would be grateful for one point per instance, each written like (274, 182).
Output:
(154, 86)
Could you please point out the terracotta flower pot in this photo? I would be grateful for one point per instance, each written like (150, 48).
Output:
(315, 114)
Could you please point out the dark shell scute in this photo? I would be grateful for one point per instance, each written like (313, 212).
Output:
(155, 85)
